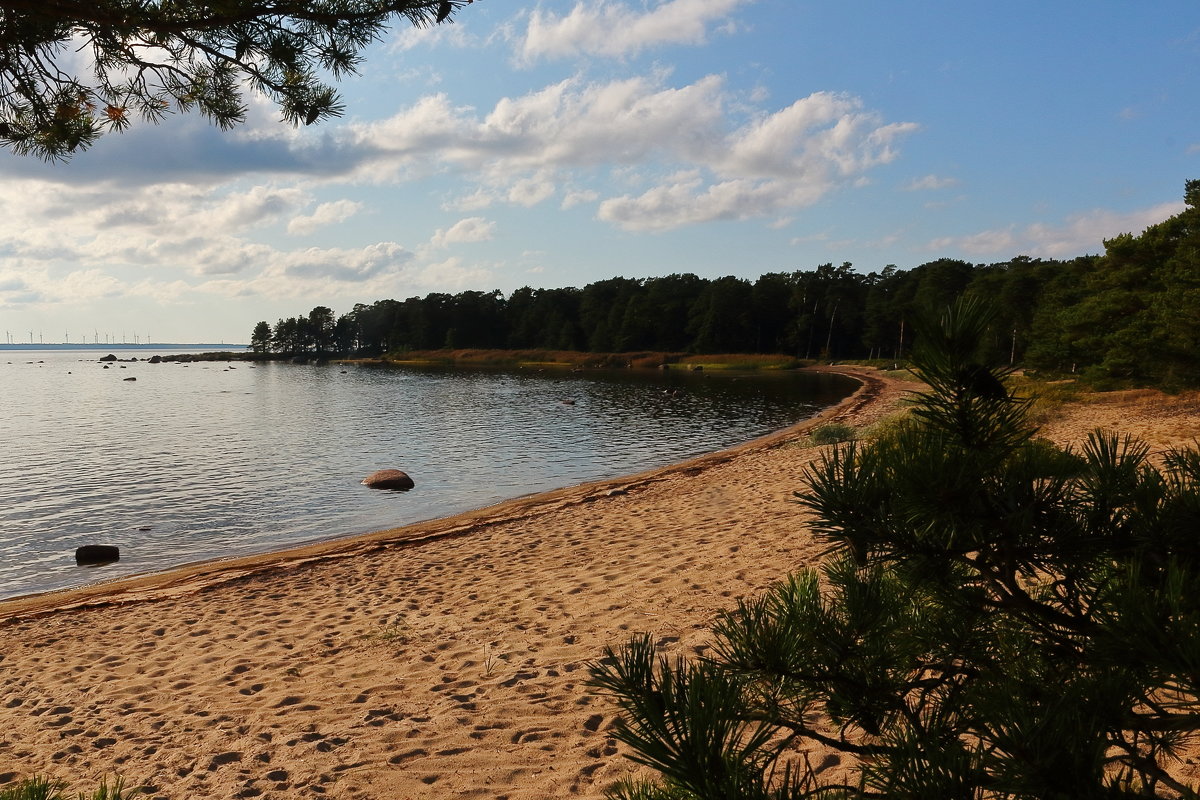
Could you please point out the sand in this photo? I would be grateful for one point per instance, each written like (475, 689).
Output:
(447, 659)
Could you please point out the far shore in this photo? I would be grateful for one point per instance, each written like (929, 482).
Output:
(446, 659)
(524, 359)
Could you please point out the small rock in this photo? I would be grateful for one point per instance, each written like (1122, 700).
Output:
(109, 357)
(129, 379)
(97, 554)
(388, 479)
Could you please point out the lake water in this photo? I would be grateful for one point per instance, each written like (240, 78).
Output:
(211, 459)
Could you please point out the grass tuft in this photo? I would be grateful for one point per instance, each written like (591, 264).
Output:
(832, 433)
(40, 787)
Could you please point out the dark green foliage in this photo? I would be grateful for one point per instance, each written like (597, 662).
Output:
(996, 618)
(151, 56)
(260, 339)
(1130, 316)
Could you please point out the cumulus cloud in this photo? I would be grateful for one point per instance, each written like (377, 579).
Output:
(568, 123)
(785, 160)
(690, 201)
(1078, 234)
(109, 244)
(524, 147)
(352, 265)
(256, 206)
(471, 229)
(616, 30)
(635, 132)
(38, 286)
(323, 215)
(647, 155)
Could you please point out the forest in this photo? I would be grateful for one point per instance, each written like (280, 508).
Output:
(1125, 317)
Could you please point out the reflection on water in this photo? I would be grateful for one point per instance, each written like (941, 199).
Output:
(208, 460)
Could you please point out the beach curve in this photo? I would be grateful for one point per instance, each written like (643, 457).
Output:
(443, 658)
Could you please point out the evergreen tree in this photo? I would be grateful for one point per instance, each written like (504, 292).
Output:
(996, 618)
(150, 56)
(260, 338)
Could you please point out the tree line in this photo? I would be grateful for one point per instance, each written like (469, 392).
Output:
(1131, 314)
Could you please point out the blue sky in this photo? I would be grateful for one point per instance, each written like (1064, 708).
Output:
(558, 143)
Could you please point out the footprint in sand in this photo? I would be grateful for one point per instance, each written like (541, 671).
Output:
(408, 755)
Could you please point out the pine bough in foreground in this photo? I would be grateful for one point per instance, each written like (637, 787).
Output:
(996, 618)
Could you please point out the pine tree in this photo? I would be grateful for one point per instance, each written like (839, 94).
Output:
(996, 618)
(147, 57)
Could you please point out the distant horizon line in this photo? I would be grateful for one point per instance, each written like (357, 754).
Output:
(115, 346)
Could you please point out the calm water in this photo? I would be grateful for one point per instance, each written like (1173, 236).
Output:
(210, 460)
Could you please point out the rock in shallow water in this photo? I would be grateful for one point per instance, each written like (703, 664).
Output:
(388, 479)
(97, 554)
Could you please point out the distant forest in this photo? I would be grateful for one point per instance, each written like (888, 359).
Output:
(1131, 315)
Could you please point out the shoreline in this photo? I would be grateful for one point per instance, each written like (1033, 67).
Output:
(446, 659)
(200, 575)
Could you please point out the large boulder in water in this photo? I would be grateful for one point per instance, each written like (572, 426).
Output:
(97, 554)
(388, 479)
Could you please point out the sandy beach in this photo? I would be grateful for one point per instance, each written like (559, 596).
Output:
(446, 659)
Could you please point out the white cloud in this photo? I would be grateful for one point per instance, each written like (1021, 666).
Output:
(616, 30)
(471, 229)
(480, 198)
(258, 205)
(789, 159)
(324, 214)
(342, 264)
(1080, 233)
(633, 133)
(524, 146)
(529, 192)
(565, 124)
(407, 37)
(165, 242)
(577, 197)
(929, 183)
(689, 202)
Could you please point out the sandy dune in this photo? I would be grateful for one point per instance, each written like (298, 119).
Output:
(442, 660)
